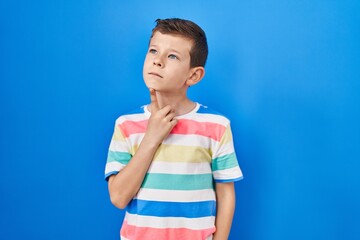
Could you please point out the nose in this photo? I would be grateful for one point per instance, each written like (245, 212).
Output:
(158, 62)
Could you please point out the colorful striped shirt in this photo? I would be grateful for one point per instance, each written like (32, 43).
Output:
(177, 198)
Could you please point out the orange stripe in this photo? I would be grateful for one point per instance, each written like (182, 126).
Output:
(146, 233)
(184, 126)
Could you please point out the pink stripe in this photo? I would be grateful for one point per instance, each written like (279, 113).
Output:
(184, 126)
(206, 129)
(146, 233)
(132, 127)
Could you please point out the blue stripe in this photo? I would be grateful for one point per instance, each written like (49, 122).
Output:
(109, 174)
(228, 180)
(172, 209)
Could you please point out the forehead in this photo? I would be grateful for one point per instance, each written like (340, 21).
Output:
(171, 41)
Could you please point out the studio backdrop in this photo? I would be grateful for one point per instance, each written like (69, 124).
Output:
(286, 73)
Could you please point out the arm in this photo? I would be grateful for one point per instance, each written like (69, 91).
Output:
(225, 198)
(124, 185)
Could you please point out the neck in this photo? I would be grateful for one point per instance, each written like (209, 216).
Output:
(181, 104)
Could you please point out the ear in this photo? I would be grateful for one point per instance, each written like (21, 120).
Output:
(196, 74)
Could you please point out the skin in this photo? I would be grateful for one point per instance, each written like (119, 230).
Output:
(167, 70)
(167, 74)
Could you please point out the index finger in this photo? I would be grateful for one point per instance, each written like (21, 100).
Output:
(154, 102)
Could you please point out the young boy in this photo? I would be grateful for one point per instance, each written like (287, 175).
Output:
(172, 163)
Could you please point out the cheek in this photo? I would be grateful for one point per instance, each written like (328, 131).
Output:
(147, 82)
(147, 65)
(146, 60)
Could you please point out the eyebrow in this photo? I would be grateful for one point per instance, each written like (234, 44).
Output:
(171, 49)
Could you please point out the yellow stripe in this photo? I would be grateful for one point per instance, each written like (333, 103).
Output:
(175, 153)
(117, 136)
(227, 137)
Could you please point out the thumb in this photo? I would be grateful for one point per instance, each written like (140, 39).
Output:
(154, 102)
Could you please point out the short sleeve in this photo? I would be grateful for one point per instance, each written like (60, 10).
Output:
(119, 153)
(225, 167)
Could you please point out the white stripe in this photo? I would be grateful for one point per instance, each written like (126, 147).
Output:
(211, 118)
(209, 237)
(123, 238)
(192, 140)
(170, 222)
(176, 195)
(136, 138)
(224, 150)
(118, 146)
(230, 173)
(180, 167)
(131, 117)
(200, 117)
(113, 166)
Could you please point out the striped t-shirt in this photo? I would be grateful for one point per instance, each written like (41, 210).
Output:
(177, 199)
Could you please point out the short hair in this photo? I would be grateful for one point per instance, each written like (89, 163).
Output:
(186, 29)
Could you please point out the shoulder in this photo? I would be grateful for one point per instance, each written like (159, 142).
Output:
(208, 114)
(137, 114)
(207, 110)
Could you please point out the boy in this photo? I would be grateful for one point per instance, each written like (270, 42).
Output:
(172, 163)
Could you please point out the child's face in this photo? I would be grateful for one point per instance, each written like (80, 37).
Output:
(167, 63)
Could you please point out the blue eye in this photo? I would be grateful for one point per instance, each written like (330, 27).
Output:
(172, 56)
(153, 51)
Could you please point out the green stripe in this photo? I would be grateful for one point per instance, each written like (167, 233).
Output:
(178, 181)
(121, 157)
(224, 162)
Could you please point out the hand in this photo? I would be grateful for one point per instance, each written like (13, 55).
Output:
(161, 121)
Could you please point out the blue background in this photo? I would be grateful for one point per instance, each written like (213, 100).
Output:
(285, 72)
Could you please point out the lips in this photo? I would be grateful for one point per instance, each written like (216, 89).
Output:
(155, 74)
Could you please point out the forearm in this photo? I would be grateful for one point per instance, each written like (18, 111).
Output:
(124, 185)
(225, 210)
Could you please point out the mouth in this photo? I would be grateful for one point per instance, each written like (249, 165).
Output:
(155, 74)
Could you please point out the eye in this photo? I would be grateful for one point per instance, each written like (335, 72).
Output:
(172, 56)
(153, 51)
